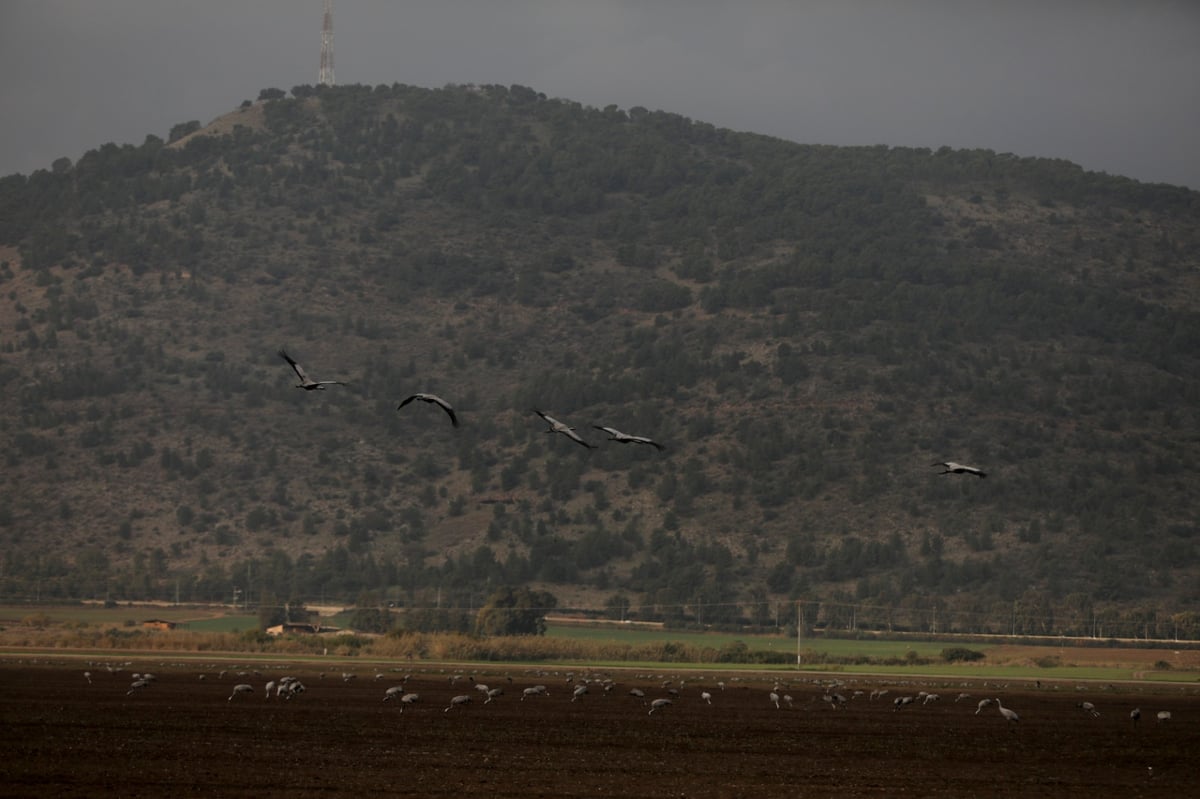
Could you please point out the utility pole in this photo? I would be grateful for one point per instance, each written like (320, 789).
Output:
(799, 630)
(326, 75)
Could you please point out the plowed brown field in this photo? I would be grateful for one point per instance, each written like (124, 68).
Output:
(61, 736)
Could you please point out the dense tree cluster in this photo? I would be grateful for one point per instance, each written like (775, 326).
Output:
(806, 327)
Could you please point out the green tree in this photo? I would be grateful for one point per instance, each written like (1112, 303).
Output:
(617, 607)
(182, 129)
(371, 620)
(270, 612)
(515, 611)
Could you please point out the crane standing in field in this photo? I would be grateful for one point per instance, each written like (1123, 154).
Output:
(1009, 715)
(457, 701)
(658, 704)
(289, 687)
(835, 700)
(240, 688)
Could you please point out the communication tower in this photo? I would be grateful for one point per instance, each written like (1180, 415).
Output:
(326, 76)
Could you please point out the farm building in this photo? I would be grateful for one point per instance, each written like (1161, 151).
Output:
(158, 624)
(300, 629)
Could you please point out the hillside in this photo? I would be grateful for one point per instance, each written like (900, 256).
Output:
(805, 328)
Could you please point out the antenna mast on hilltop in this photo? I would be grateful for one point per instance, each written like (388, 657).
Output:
(326, 76)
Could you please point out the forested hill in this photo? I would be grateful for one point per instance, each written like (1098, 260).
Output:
(806, 329)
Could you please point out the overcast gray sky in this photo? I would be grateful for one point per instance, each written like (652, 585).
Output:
(1111, 85)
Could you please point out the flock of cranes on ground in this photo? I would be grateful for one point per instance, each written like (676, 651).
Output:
(836, 695)
(554, 425)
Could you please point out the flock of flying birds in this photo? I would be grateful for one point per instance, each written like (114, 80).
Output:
(555, 426)
(308, 384)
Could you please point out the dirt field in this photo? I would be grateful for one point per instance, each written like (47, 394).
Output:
(62, 736)
(1143, 659)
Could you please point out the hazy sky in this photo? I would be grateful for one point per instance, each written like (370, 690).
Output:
(1111, 85)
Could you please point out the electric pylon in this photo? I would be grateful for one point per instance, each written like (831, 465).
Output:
(326, 76)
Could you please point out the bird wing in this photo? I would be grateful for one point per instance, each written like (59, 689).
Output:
(555, 425)
(436, 401)
(960, 468)
(571, 434)
(295, 366)
(441, 403)
(449, 411)
(617, 435)
(558, 427)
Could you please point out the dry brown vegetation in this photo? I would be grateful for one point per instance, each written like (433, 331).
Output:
(1181, 659)
(399, 646)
